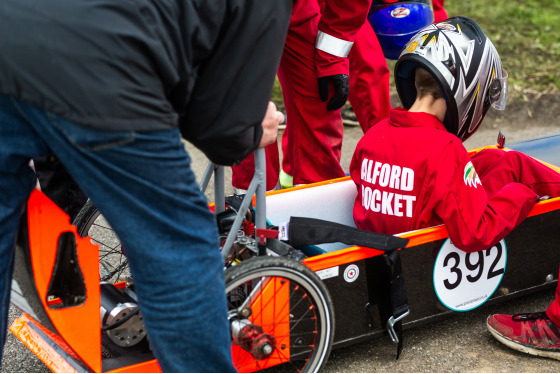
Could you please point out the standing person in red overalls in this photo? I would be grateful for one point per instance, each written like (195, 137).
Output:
(314, 69)
(368, 93)
(314, 74)
(312, 140)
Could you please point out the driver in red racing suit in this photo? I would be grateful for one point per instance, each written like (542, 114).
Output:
(399, 191)
(412, 170)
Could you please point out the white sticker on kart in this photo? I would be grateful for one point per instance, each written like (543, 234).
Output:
(283, 231)
(464, 281)
(327, 273)
(351, 273)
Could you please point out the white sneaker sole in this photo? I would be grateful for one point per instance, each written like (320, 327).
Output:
(522, 348)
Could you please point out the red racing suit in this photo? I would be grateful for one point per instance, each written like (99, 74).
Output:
(312, 141)
(553, 311)
(439, 11)
(369, 79)
(313, 136)
(411, 173)
(315, 143)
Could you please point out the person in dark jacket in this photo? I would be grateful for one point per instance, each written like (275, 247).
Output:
(108, 87)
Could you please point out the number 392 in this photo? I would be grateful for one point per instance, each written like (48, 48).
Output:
(474, 262)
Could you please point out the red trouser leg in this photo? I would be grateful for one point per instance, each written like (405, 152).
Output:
(369, 79)
(242, 173)
(439, 11)
(313, 134)
(553, 311)
(497, 168)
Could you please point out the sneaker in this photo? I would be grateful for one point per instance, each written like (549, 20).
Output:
(532, 333)
(286, 180)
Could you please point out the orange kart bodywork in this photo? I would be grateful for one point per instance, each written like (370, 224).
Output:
(67, 338)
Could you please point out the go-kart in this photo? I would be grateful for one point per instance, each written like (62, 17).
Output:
(300, 278)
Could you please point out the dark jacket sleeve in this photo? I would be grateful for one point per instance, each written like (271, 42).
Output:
(234, 83)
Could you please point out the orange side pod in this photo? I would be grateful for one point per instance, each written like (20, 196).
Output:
(79, 325)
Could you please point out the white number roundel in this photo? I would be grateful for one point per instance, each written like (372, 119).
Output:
(464, 281)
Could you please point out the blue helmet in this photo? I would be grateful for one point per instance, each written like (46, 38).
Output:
(395, 22)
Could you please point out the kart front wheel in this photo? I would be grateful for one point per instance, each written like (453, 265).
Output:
(281, 316)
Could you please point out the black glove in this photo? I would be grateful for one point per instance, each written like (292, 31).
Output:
(341, 84)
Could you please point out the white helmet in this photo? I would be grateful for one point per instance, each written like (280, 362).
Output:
(466, 66)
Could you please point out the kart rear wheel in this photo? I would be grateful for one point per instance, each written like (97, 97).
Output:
(282, 303)
(113, 265)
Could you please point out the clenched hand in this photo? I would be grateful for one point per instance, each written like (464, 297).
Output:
(270, 123)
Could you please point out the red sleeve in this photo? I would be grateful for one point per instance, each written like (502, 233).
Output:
(474, 221)
(340, 19)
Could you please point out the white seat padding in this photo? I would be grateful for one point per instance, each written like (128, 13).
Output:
(331, 202)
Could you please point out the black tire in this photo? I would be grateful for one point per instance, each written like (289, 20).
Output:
(85, 217)
(113, 266)
(309, 320)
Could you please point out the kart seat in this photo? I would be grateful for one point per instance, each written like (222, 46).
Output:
(330, 201)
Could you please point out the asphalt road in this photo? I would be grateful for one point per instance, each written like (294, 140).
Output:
(459, 343)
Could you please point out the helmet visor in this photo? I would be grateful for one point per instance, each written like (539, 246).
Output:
(498, 91)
